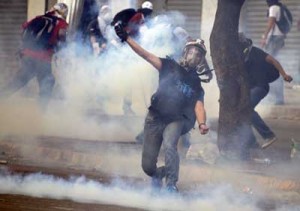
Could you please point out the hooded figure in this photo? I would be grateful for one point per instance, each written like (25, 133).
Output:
(98, 30)
(104, 18)
(61, 10)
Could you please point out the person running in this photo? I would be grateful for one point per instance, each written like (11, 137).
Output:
(262, 69)
(41, 38)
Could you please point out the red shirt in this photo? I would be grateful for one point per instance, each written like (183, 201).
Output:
(46, 55)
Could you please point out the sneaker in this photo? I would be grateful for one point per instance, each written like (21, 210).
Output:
(172, 189)
(268, 142)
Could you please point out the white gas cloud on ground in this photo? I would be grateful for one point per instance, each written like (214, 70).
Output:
(81, 189)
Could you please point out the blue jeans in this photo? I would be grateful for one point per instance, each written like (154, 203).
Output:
(275, 44)
(156, 134)
(256, 95)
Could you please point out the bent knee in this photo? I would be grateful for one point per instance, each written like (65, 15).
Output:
(149, 167)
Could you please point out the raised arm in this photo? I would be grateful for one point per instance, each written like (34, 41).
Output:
(149, 57)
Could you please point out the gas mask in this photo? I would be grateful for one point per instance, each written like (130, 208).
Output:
(193, 56)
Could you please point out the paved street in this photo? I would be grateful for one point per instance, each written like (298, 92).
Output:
(64, 158)
(104, 161)
(25, 203)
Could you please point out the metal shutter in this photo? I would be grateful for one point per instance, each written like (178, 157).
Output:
(191, 9)
(13, 14)
(255, 22)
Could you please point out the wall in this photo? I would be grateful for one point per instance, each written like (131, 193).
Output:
(209, 8)
(35, 7)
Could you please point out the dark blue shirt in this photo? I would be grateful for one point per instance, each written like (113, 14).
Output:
(177, 93)
(257, 68)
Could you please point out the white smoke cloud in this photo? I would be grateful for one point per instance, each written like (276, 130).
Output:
(120, 193)
(87, 87)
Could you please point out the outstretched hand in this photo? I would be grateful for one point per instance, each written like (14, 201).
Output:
(121, 32)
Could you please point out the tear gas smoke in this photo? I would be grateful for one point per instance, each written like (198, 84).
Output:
(119, 193)
(85, 83)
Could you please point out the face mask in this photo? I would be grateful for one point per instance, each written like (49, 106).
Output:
(193, 57)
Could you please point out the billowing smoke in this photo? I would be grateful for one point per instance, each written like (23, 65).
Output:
(87, 85)
(120, 193)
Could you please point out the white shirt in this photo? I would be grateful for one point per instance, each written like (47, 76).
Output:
(274, 11)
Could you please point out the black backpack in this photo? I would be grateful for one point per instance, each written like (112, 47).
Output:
(286, 19)
(38, 33)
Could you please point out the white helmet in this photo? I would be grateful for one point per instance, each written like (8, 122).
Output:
(147, 5)
(61, 9)
(193, 55)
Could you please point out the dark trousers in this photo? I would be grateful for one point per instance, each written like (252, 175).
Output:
(31, 68)
(156, 134)
(256, 95)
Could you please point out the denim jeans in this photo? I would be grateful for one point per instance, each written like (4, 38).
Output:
(275, 43)
(156, 134)
(256, 95)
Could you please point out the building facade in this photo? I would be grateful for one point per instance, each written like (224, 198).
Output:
(199, 18)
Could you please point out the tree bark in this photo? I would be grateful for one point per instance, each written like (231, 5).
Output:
(234, 113)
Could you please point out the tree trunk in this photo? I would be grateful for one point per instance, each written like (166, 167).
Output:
(234, 114)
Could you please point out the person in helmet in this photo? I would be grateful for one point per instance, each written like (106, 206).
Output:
(146, 9)
(61, 10)
(257, 64)
(175, 106)
(98, 30)
(41, 38)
